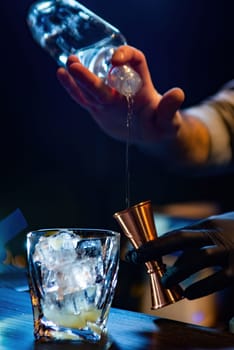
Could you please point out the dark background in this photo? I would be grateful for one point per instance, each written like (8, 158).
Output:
(56, 165)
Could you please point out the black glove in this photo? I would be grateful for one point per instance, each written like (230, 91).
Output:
(208, 243)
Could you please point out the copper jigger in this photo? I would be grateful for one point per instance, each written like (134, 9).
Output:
(137, 223)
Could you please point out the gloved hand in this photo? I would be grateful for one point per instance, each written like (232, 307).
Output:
(208, 243)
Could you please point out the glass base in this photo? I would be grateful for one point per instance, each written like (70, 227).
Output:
(85, 339)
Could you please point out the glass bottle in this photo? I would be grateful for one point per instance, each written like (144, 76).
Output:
(66, 27)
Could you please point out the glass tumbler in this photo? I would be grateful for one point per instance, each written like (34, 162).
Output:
(72, 279)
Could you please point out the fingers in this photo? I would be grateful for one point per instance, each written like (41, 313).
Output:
(83, 86)
(128, 54)
(208, 285)
(94, 91)
(72, 59)
(69, 84)
(169, 104)
(92, 86)
(135, 58)
(169, 244)
(18, 260)
(193, 261)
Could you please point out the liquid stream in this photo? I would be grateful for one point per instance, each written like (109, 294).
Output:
(130, 103)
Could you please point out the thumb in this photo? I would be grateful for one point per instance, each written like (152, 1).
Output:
(170, 103)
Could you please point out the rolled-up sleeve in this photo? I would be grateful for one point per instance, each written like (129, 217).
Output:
(217, 113)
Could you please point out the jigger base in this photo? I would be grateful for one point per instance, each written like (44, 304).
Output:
(161, 296)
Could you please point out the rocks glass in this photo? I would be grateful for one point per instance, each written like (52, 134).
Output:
(72, 279)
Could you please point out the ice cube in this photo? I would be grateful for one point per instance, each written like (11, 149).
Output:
(65, 239)
(89, 248)
(49, 280)
(52, 251)
(92, 250)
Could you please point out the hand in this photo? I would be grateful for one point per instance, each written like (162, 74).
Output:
(13, 239)
(156, 117)
(209, 243)
(14, 252)
(17, 260)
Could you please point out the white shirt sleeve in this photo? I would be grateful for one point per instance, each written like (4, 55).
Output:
(217, 113)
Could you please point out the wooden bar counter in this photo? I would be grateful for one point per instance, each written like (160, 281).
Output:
(128, 330)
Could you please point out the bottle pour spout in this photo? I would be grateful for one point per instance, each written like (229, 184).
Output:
(124, 79)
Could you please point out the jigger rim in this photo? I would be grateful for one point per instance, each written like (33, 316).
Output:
(140, 204)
